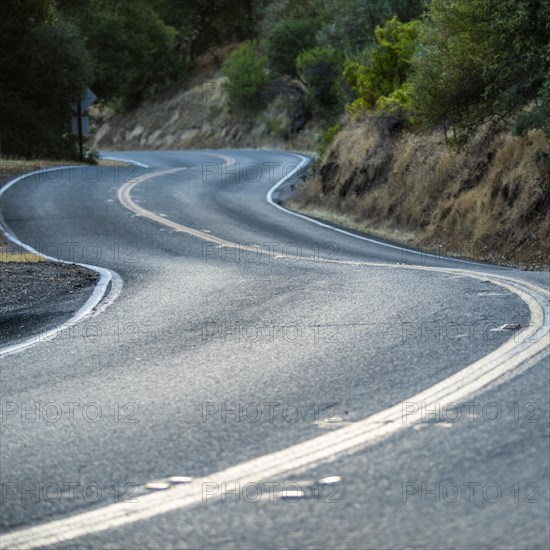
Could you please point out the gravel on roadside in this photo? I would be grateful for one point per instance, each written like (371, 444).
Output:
(36, 295)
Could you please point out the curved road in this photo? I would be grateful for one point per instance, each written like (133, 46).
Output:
(301, 385)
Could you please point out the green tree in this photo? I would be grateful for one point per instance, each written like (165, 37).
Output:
(320, 69)
(269, 13)
(407, 10)
(288, 39)
(479, 60)
(132, 48)
(349, 24)
(43, 62)
(381, 82)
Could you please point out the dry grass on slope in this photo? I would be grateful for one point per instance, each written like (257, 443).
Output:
(489, 202)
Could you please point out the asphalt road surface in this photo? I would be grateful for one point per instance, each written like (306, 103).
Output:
(255, 379)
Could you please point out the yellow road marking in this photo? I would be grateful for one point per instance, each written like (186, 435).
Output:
(515, 355)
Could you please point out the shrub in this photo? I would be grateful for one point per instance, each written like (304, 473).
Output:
(380, 83)
(399, 103)
(327, 138)
(245, 70)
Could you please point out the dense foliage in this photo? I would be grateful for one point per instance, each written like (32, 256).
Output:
(286, 42)
(320, 69)
(479, 60)
(351, 23)
(51, 50)
(43, 62)
(455, 64)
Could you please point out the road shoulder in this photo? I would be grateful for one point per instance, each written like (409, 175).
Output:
(36, 295)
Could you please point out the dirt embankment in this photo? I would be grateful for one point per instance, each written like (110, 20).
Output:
(197, 115)
(489, 202)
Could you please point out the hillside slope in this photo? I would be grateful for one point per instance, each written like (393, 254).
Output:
(197, 115)
(489, 202)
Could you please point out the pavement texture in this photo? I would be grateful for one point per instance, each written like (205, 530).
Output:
(242, 330)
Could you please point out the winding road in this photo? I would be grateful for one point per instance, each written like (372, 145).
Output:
(253, 378)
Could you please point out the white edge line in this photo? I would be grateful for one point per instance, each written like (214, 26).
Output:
(305, 161)
(106, 276)
(129, 161)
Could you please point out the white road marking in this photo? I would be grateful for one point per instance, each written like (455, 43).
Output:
(305, 162)
(140, 164)
(514, 356)
(92, 305)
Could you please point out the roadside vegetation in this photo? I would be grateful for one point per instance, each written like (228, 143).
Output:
(450, 64)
